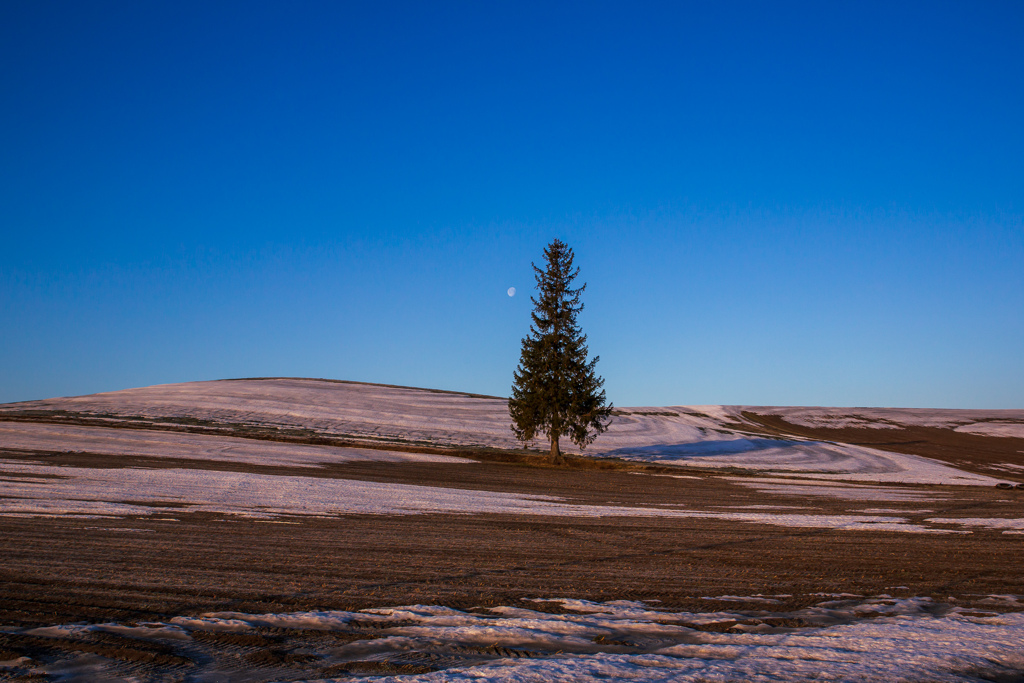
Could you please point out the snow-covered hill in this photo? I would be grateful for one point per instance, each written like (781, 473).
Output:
(704, 436)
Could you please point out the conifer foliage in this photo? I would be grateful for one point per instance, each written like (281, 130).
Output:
(556, 390)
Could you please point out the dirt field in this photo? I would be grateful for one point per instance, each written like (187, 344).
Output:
(173, 563)
(66, 570)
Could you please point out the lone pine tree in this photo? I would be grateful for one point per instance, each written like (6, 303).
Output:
(556, 390)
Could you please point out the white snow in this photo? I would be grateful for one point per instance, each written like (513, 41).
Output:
(858, 463)
(1005, 429)
(164, 444)
(330, 407)
(810, 459)
(1002, 600)
(856, 640)
(1009, 525)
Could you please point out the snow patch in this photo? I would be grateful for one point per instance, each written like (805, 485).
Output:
(1010, 525)
(854, 640)
(1004, 429)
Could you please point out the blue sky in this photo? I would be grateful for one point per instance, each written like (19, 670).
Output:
(772, 203)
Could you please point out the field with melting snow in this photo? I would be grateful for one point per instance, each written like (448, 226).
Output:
(310, 509)
(701, 436)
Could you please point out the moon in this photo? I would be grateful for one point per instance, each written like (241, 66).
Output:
(511, 291)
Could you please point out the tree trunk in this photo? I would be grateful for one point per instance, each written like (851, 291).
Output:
(556, 454)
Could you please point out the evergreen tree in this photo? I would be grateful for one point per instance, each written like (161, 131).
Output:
(556, 390)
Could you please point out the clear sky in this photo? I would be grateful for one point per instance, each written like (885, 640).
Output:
(815, 203)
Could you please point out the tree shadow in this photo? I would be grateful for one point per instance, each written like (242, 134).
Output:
(702, 449)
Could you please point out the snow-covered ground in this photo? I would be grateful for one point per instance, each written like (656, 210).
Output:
(701, 436)
(33, 489)
(402, 412)
(160, 444)
(41, 490)
(1005, 429)
(807, 459)
(815, 460)
(848, 638)
(329, 407)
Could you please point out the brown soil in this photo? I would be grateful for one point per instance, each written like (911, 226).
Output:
(66, 569)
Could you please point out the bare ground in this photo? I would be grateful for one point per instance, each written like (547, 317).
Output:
(60, 570)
